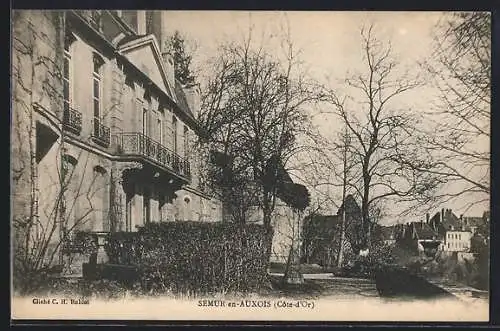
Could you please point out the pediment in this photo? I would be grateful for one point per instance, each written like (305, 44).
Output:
(144, 53)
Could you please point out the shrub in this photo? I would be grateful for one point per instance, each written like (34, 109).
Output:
(194, 257)
(81, 242)
(380, 256)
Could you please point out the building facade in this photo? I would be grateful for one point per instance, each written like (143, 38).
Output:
(287, 224)
(457, 241)
(103, 133)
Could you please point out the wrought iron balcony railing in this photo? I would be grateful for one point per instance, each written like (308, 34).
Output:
(102, 135)
(138, 144)
(72, 120)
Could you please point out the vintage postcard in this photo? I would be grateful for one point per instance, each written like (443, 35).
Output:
(260, 165)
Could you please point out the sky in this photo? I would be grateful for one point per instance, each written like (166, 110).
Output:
(328, 42)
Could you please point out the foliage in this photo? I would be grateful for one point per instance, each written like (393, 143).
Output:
(81, 242)
(192, 257)
(182, 59)
(253, 109)
(379, 257)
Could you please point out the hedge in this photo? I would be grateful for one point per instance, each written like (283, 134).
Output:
(194, 257)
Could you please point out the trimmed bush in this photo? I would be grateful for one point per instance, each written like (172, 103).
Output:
(193, 257)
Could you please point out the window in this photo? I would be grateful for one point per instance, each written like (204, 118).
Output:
(174, 133)
(67, 78)
(96, 93)
(146, 116)
(459, 237)
(159, 124)
(67, 167)
(186, 141)
(448, 245)
(145, 122)
(68, 71)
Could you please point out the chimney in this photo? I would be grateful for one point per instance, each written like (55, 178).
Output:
(193, 95)
(442, 215)
(155, 25)
(427, 217)
(141, 22)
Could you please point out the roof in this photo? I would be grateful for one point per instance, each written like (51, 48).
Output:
(324, 221)
(182, 99)
(130, 38)
(175, 92)
(128, 48)
(424, 231)
(352, 205)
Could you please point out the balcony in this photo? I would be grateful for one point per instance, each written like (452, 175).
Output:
(137, 144)
(72, 120)
(101, 134)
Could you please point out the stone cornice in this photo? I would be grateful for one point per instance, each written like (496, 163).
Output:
(53, 120)
(196, 191)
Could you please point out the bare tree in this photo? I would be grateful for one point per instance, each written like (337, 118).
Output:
(380, 130)
(346, 143)
(457, 139)
(253, 111)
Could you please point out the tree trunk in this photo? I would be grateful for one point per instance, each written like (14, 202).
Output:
(292, 271)
(365, 242)
(340, 257)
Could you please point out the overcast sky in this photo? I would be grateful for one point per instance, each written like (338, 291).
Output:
(329, 43)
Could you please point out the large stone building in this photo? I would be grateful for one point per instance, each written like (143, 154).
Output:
(102, 133)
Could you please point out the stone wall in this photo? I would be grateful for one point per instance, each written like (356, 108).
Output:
(35, 64)
(287, 225)
(36, 112)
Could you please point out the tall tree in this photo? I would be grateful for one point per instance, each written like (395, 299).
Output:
(182, 59)
(253, 111)
(380, 130)
(346, 142)
(457, 139)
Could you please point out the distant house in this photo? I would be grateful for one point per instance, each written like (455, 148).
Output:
(458, 241)
(427, 238)
(453, 232)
